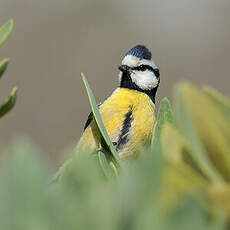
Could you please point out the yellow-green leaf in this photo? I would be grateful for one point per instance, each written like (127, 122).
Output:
(212, 127)
(181, 175)
(9, 103)
(177, 151)
(5, 30)
(165, 114)
(3, 66)
(104, 164)
(219, 99)
(189, 110)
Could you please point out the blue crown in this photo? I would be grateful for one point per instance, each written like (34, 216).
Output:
(140, 51)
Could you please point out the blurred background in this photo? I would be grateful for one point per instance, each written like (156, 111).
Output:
(54, 40)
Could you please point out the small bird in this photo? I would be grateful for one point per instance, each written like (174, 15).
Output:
(128, 114)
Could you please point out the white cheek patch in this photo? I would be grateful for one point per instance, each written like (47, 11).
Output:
(145, 80)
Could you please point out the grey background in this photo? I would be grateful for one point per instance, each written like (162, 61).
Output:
(54, 40)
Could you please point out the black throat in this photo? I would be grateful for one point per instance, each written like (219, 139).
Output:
(126, 82)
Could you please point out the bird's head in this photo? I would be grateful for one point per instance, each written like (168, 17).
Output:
(139, 72)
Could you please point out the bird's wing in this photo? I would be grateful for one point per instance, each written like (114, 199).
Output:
(89, 119)
(90, 116)
(112, 115)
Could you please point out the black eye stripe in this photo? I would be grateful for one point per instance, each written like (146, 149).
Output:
(147, 67)
(143, 68)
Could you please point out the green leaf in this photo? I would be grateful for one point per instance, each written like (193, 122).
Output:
(5, 31)
(219, 99)
(182, 94)
(98, 120)
(3, 66)
(182, 175)
(104, 164)
(9, 103)
(165, 114)
(188, 214)
(23, 177)
(210, 117)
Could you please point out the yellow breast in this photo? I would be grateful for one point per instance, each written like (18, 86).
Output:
(113, 112)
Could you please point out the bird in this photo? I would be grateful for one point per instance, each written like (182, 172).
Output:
(129, 113)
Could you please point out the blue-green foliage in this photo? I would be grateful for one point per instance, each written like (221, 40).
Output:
(84, 199)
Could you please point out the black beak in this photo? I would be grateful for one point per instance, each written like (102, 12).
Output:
(124, 68)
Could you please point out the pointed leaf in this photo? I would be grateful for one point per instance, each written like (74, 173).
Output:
(177, 151)
(3, 66)
(99, 122)
(9, 103)
(219, 99)
(5, 31)
(104, 164)
(211, 128)
(183, 116)
(165, 114)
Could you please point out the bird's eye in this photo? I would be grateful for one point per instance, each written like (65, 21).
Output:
(142, 68)
(156, 72)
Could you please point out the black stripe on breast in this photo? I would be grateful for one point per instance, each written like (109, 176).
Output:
(124, 134)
